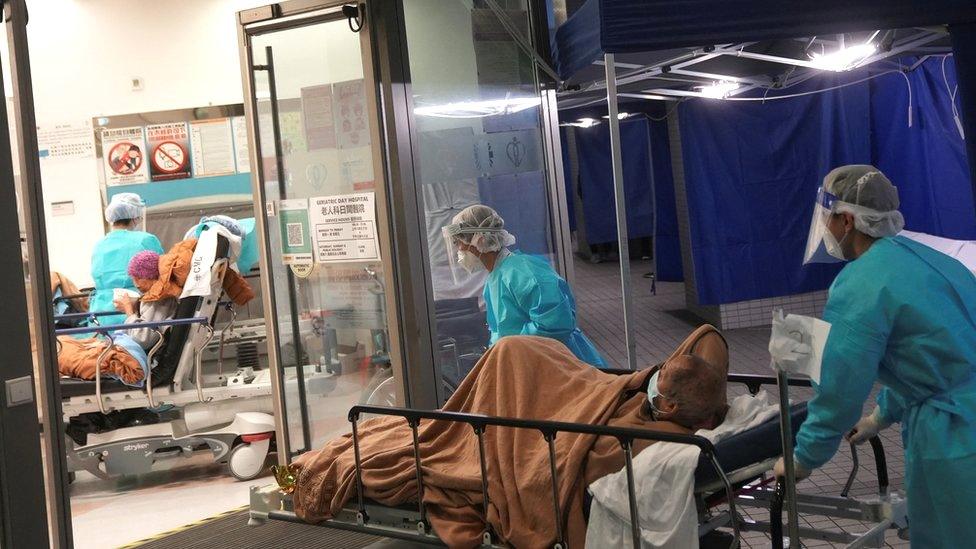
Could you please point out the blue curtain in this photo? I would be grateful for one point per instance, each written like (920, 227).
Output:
(521, 200)
(751, 175)
(568, 180)
(927, 161)
(667, 245)
(596, 180)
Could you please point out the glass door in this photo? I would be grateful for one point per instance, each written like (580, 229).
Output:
(319, 183)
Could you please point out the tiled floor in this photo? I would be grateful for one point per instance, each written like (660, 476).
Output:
(661, 323)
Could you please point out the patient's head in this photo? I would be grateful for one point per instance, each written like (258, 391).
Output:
(144, 269)
(691, 393)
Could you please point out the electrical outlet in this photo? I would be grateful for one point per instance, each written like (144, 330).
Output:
(137, 83)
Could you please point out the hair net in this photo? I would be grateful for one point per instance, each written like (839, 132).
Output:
(699, 390)
(481, 227)
(144, 265)
(864, 192)
(124, 206)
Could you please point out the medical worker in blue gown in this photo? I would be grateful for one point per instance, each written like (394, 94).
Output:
(523, 294)
(110, 259)
(905, 315)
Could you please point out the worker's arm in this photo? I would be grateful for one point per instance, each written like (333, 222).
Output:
(855, 347)
(890, 405)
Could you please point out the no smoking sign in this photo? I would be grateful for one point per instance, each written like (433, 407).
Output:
(169, 157)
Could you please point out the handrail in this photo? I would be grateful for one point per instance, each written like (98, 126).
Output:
(198, 364)
(90, 314)
(71, 296)
(149, 359)
(132, 326)
(624, 435)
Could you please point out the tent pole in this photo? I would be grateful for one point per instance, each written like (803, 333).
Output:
(621, 207)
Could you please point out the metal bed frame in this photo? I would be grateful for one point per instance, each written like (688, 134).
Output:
(410, 523)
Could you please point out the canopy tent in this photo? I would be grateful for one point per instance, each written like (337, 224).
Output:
(669, 52)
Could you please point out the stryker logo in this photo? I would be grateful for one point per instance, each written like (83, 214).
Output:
(135, 447)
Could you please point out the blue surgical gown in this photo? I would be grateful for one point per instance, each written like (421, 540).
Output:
(525, 296)
(905, 314)
(110, 264)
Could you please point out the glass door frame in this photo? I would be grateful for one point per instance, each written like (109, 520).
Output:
(281, 18)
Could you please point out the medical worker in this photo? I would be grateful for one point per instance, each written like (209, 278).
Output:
(110, 259)
(523, 294)
(904, 314)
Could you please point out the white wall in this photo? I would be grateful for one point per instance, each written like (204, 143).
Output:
(84, 54)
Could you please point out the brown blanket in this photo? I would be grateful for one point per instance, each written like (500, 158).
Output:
(68, 287)
(525, 377)
(77, 358)
(174, 268)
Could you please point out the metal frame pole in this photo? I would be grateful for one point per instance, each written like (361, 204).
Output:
(786, 431)
(623, 244)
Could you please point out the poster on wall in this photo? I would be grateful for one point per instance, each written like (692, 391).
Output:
(352, 124)
(124, 156)
(344, 228)
(317, 117)
(69, 141)
(242, 149)
(296, 237)
(292, 134)
(357, 167)
(212, 144)
(169, 151)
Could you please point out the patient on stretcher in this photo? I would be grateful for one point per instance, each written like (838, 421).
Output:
(522, 377)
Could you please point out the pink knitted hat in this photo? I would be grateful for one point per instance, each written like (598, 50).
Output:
(145, 265)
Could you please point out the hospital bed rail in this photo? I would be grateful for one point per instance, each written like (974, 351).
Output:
(107, 331)
(549, 430)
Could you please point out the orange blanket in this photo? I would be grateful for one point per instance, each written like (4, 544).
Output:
(77, 358)
(525, 377)
(174, 268)
(68, 288)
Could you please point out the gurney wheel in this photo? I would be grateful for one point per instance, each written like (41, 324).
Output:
(246, 461)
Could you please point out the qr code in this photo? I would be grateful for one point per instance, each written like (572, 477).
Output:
(296, 235)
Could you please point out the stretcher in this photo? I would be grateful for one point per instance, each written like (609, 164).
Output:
(731, 475)
(179, 411)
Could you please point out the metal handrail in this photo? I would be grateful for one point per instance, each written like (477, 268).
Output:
(107, 331)
(229, 306)
(150, 357)
(198, 364)
(89, 314)
(624, 435)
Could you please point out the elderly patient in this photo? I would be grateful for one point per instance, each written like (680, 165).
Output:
(523, 377)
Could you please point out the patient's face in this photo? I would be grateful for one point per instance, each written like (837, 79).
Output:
(692, 392)
(144, 284)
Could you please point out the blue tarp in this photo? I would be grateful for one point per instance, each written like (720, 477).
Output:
(751, 175)
(596, 180)
(644, 145)
(927, 162)
(617, 26)
(752, 171)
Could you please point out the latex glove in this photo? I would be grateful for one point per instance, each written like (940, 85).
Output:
(801, 472)
(869, 426)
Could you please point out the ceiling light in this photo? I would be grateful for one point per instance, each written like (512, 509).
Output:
(844, 59)
(479, 109)
(718, 90)
(620, 115)
(582, 123)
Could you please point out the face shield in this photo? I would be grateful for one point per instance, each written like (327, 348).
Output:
(816, 249)
(453, 238)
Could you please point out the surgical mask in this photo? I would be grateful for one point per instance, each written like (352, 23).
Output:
(833, 246)
(470, 262)
(653, 393)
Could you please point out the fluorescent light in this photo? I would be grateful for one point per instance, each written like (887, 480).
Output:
(844, 59)
(620, 115)
(718, 90)
(478, 109)
(582, 123)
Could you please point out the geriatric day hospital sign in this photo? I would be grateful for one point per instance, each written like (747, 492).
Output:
(344, 227)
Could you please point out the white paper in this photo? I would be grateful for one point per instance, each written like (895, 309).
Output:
(198, 282)
(797, 342)
(344, 228)
(213, 147)
(124, 156)
(242, 149)
(70, 141)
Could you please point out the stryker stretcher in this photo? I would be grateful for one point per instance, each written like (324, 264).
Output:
(731, 475)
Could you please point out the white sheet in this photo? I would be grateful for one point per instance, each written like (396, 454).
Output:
(963, 250)
(664, 483)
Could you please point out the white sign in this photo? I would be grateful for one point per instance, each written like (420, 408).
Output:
(59, 209)
(242, 150)
(344, 228)
(66, 141)
(213, 147)
(124, 156)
